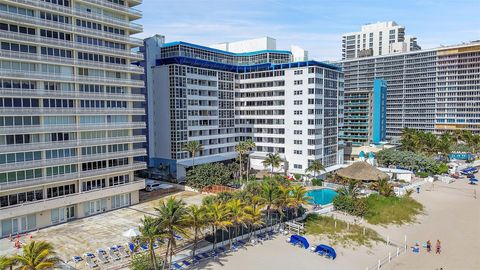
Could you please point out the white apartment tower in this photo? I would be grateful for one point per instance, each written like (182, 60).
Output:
(219, 97)
(380, 38)
(69, 110)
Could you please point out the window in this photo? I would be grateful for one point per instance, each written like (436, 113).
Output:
(297, 152)
(297, 112)
(298, 82)
(297, 92)
(297, 122)
(297, 102)
(297, 166)
(297, 142)
(297, 132)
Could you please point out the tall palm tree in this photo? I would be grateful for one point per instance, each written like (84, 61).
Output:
(217, 217)
(298, 197)
(197, 220)
(282, 200)
(269, 194)
(193, 147)
(316, 167)
(241, 149)
(351, 190)
(250, 144)
(445, 144)
(150, 232)
(236, 214)
(35, 255)
(171, 218)
(272, 160)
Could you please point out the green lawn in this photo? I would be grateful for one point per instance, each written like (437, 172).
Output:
(324, 227)
(392, 210)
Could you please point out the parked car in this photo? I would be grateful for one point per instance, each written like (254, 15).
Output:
(152, 186)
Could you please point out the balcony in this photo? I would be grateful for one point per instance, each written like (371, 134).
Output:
(72, 176)
(66, 128)
(131, 11)
(13, 92)
(67, 144)
(70, 160)
(71, 111)
(47, 204)
(70, 61)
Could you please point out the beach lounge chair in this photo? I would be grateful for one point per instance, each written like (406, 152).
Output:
(89, 255)
(221, 250)
(113, 255)
(186, 263)
(90, 263)
(131, 247)
(122, 251)
(205, 255)
(196, 259)
(144, 247)
(101, 255)
(176, 266)
(77, 259)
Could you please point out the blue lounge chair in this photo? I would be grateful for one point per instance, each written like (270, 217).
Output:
(131, 247)
(144, 247)
(196, 259)
(176, 266)
(77, 259)
(90, 255)
(205, 255)
(222, 249)
(186, 263)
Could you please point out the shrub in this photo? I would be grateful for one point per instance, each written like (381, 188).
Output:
(353, 206)
(317, 182)
(209, 174)
(422, 174)
(142, 262)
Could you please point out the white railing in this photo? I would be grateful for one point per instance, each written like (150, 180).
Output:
(72, 143)
(400, 191)
(77, 175)
(73, 127)
(71, 111)
(400, 249)
(14, 92)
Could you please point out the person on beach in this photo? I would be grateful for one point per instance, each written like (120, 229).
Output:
(429, 246)
(438, 247)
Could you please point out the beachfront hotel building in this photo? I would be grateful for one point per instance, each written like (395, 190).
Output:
(434, 90)
(220, 97)
(69, 128)
(375, 39)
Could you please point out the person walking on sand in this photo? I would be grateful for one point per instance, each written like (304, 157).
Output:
(438, 247)
(429, 246)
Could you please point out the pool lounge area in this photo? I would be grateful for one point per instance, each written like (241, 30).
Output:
(321, 196)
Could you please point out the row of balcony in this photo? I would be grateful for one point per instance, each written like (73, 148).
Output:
(70, 61)
(35, 22)
(70, 160)
(32, 75)
(70, 44)
(71, 199)
(12, 130)
(35, 146)
(42, 93)
(135, 14)
(70, 111)
(72, 176)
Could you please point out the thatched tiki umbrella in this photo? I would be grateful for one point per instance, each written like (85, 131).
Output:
(362, 171)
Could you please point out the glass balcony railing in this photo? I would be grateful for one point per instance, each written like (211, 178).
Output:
(14, 92)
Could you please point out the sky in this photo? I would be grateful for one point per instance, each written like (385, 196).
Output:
(314, 25)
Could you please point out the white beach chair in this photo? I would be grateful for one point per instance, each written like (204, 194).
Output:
(113, 255)
(101, 256)
(90, 263)
(123, 252)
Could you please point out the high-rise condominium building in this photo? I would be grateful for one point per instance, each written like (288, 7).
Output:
(377, 39)
(433, 90)
(219, 98)
(68, 110)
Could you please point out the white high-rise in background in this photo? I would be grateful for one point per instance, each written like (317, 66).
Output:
(375, 39)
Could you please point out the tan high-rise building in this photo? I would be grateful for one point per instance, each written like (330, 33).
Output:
(70, 110)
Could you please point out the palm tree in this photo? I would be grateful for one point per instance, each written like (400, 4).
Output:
(273, 160)
(269, 193)
(282, 200)
(193, 147)
(241, 149)
(217, 217)
(298, 198)
(35, 255)
(237, 216)
(253, 217)
(250, 144)
(316, 167)
(150, 232)
(383, 187)
(196, 219)
(445, 144)
(351, 190)
(172, 220)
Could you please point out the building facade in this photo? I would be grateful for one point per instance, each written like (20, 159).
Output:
(69, 129)
(220, 98)
(433, 90)
(365, 115)
(374, 39)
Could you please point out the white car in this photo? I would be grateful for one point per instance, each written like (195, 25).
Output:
(156, 186)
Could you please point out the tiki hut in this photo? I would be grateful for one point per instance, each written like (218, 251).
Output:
(362, 171)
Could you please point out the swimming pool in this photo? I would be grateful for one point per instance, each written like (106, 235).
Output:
(321, 196)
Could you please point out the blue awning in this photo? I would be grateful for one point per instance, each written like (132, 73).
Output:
(295, 239)
(328, 250)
